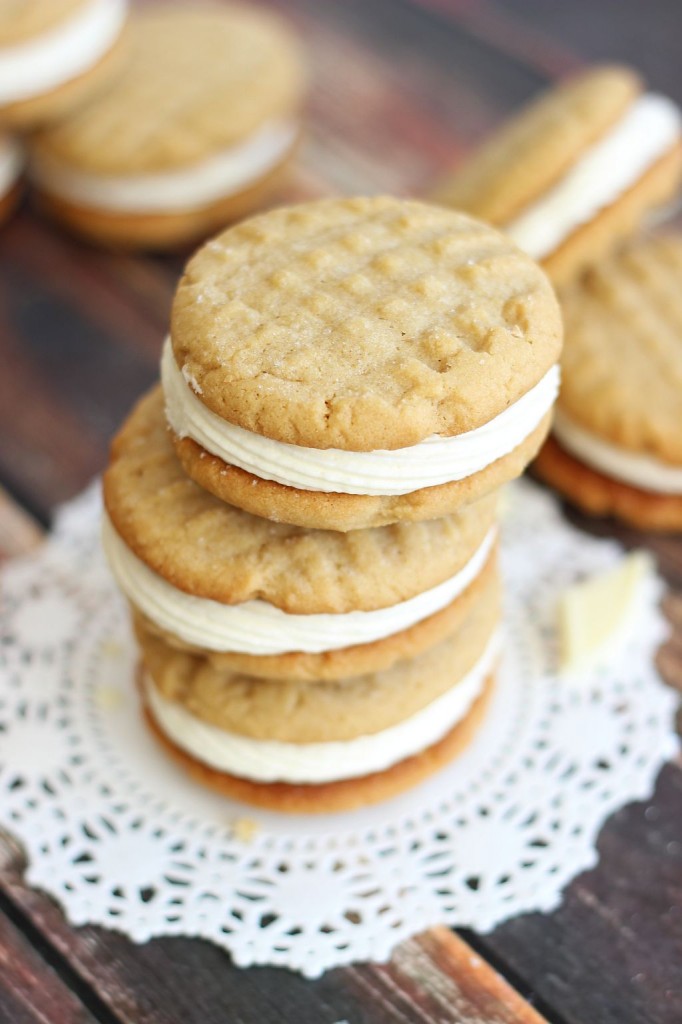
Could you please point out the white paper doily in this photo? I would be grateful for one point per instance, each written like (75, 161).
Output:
(121, 837)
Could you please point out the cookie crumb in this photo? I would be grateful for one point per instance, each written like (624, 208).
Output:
(191, 380)
(245, 829)
(109, 698)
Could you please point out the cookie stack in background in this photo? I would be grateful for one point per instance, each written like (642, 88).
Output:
(577, 171)
(148, 131)
(308, 543)
(56, 53)
(195, 132)
(574, 180)
(616, 446)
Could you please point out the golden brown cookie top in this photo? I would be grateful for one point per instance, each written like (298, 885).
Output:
(294, 711)
(199, 79)
(622, 363)
(21, 21)
(210, 549)
(362, 324)
(535, 148)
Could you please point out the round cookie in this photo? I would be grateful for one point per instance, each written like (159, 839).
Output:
(172, 540)
(576, 171)
(355, 362)
(344, 795)
(617, 444)
(55, 54)
(178, 162)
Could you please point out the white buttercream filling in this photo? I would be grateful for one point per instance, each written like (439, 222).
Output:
(437, 460)
(11, 161)
(258, 627)
(650, 128)
(275, 761)
(643, 471)
(33, 67)
(222, 175)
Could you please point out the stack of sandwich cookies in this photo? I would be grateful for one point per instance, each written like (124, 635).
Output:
(309, 552)
(356, 362)
(616, 447)
(342, 667)
(11, 165)
(577, 171)
(156, 163)
(56, 53)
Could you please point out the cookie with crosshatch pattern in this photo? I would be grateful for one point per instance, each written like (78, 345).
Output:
(349, 363)
(576, 171)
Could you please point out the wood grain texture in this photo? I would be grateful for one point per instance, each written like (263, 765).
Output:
(613, 951)
(402, 89)
(30, 991)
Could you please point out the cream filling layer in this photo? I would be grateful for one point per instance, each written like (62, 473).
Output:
(316, 763)
(651, 126)
(227, 173)
(31, 68)
(258, 627)
(643, 471)
(437, 460)
(11, 161)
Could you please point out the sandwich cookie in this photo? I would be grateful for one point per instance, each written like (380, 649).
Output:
(11, 165)
(195, 132)
(616, 448)
(275, 600)
(54, 54)
(350, 363)
(322, 746)
(576, 171)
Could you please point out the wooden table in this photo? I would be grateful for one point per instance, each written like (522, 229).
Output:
(401, 89)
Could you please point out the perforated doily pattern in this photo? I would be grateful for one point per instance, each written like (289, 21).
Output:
(121, 838)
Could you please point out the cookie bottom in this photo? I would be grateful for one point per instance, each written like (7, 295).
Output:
(49, 106)
(343, 512)
(329, 797)
(162, 231)
(616, 222)
(601, 495)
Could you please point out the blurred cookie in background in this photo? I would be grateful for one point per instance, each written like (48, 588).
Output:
(11, 166)
(616, 447)
(54, 54)
(576, 171)
(195, 133)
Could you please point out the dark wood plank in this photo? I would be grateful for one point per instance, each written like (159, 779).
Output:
(30, 991)
(548, 33)
(612, 952)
